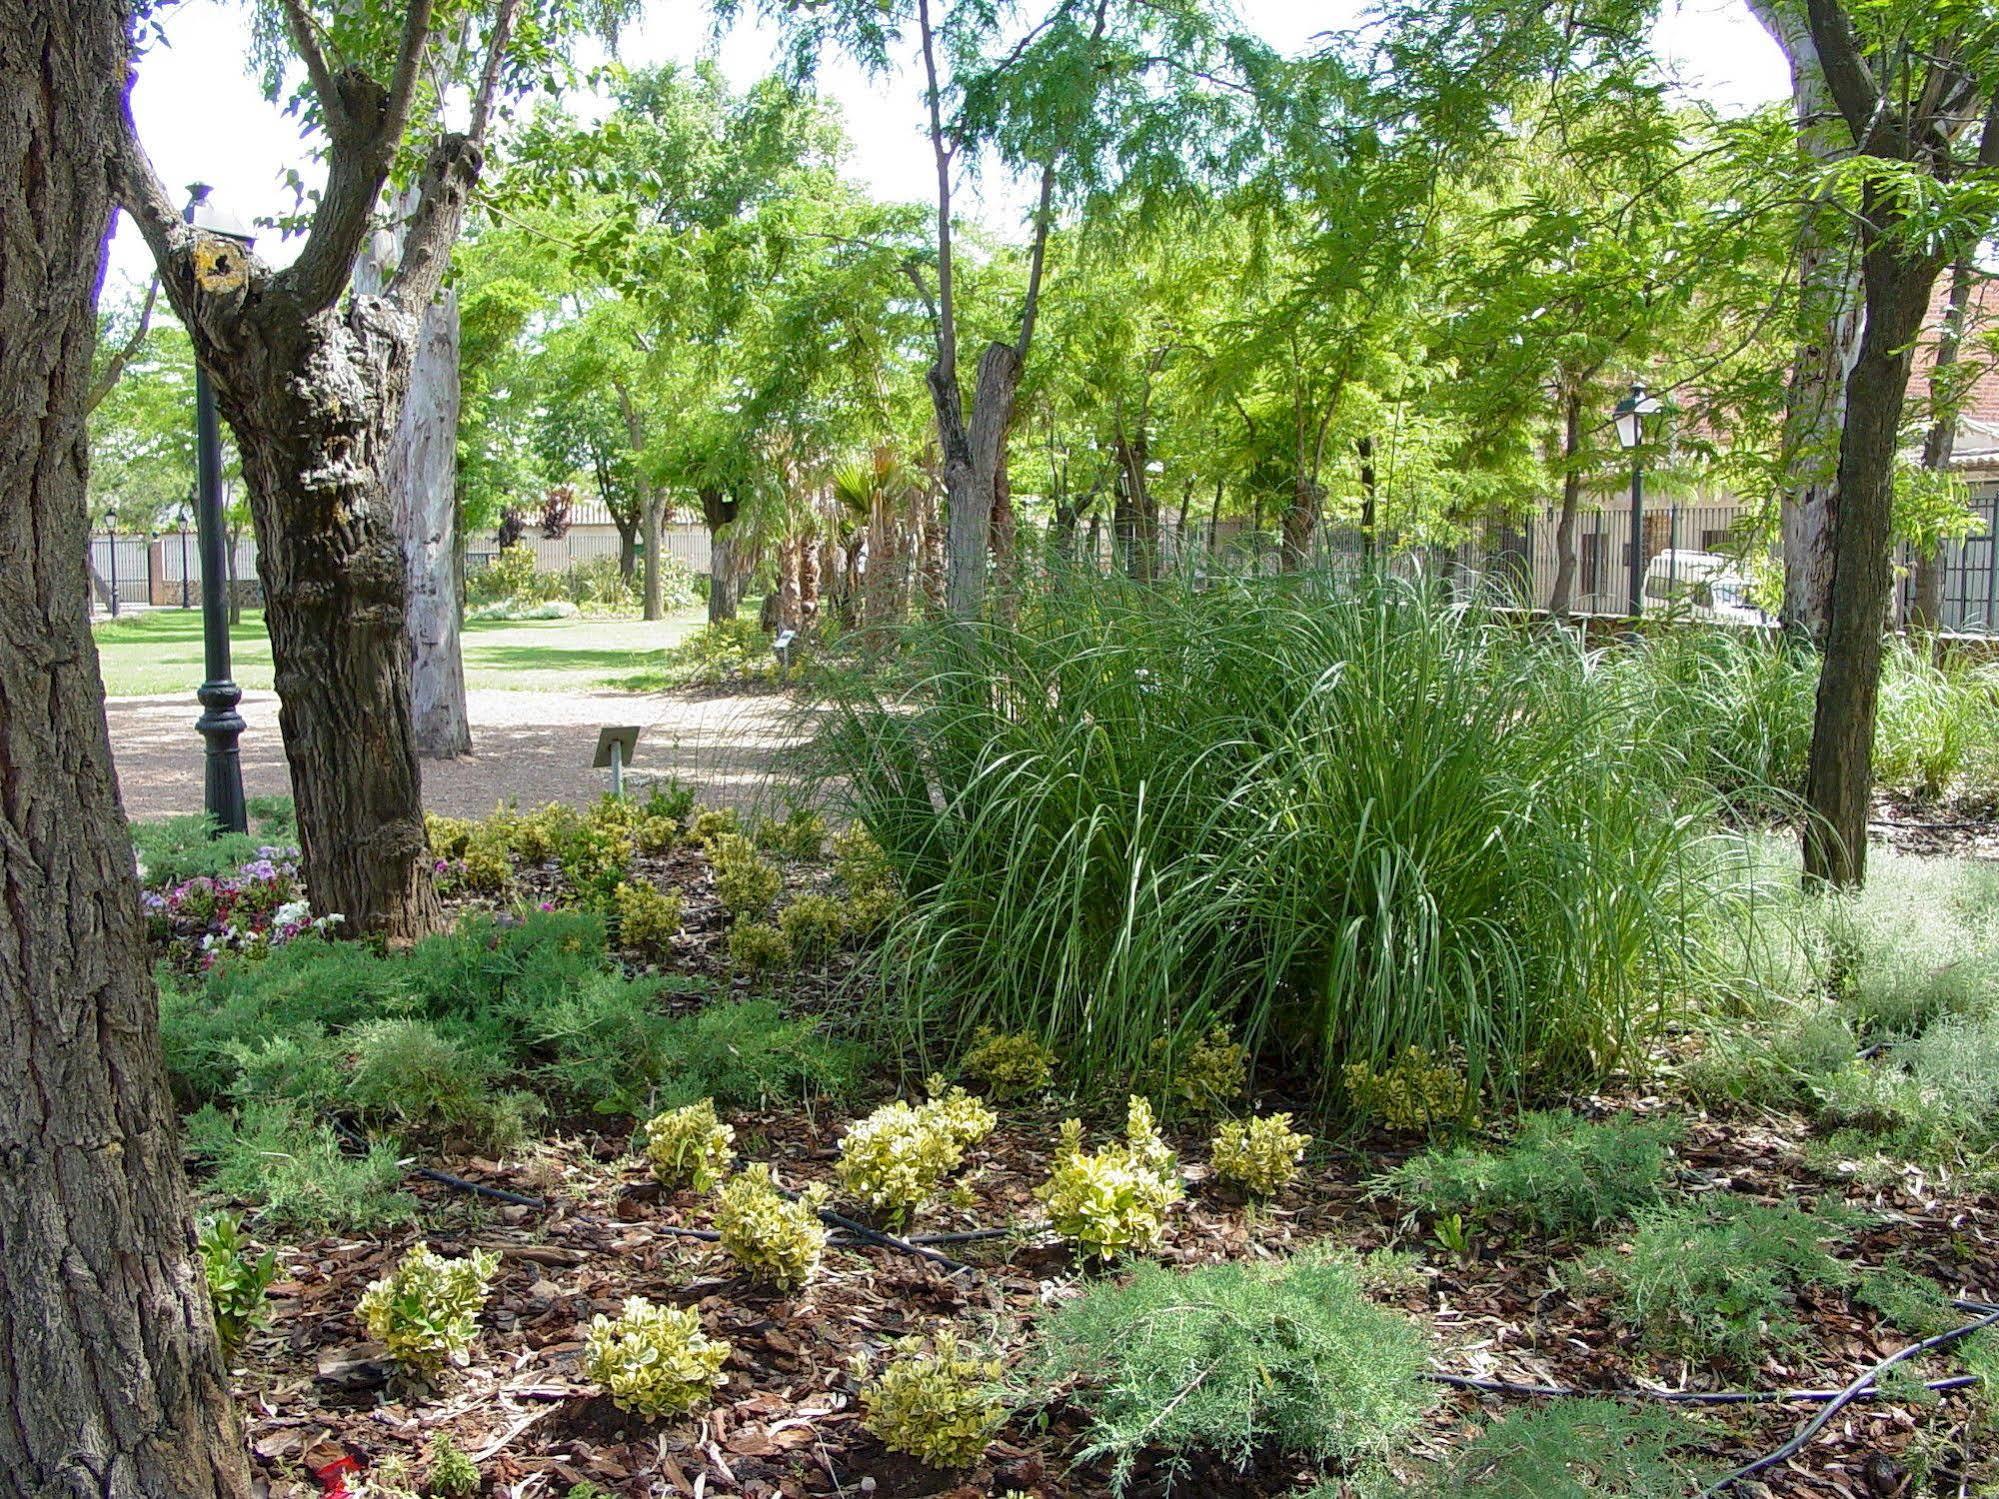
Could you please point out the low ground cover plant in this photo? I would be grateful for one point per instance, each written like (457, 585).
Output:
(1560, 1173)
(1009, 1067)
(1716, 1279)
(1230, 1358)
(1568, 1449)
(689, 1146)
(238, 1278)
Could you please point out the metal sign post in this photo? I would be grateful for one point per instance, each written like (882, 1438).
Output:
(615, 748)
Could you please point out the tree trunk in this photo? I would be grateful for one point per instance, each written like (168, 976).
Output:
(1562, 597)
(421, 472)
(1369, 514)
(1301, 520)
(790, 585)
(971, 454)
(1926, 605)
(628, 548)
(1839, 780)
(314, 407)
(655, 512)
(234, 595)
(110, 1383)
(1829, 341)
(719, 514)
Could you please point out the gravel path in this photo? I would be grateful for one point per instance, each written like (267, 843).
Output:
(531, 746)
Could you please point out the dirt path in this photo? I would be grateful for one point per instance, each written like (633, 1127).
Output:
(532, 746)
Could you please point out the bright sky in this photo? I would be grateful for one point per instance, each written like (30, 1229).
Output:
(203, 118)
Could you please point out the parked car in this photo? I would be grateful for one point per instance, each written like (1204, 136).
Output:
(1704, 585)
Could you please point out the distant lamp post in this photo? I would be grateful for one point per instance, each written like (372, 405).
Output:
(1630, 414)
(220, 724)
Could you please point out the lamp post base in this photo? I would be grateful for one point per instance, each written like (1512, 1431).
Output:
(221, 726)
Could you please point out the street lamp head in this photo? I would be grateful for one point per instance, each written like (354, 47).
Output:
(205, 213)
(1630, 414)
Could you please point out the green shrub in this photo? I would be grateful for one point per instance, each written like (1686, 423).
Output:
(1009, 1066)
(173, 850)
(758, 948)
(937, 1403)
(719, 654)
(1715, 1280)
(712, 824)
(648, 917)
(413, 1071)
(1569, 1449)
(1233, 1358)
(776, 1239)
(800, 834)
(1355, 822)
(1415, 1091)
(1208, 1075)
(295, 1172)
(859, 862)
(745, 884)
(1907, 1301)
(814, 925)
(426, 1310)
(1560, 1174)
(447, 836)
(895, 1159)
(1115, 1201)
(238, 1278)
(654, 1360)
(1260, 1155)
(689, 1146)
(453, 1475)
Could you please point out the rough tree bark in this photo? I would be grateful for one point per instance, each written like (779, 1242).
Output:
(1940, 442)
(421, 472)
(314, 391)
(653, 520)
(110, 1383)
(1829, 318)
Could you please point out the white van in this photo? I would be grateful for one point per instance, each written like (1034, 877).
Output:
(1703, 585)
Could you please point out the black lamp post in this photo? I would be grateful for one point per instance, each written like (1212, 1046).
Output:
(1630, 414)
(220, 724)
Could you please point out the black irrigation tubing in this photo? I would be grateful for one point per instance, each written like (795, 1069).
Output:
(1860, 1386)
(890, 1241)
(429, 1173)
(1677, 1397)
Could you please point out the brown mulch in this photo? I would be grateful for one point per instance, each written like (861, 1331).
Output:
(787, 1422)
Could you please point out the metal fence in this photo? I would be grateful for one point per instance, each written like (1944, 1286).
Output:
(158, 570)
(685, 543)
(1970, 580)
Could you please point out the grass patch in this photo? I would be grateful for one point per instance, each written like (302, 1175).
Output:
(1560, 1174)
(1228, 1359)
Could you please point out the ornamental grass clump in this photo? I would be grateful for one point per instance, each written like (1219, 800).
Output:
(654, 1360)
(1115, 1201)
(1258, 1155)
(426, 1311)
(689, 1146)
(1350, 812)
(936, 1402)
(776, 1239)
(895, 1159)
(1232, 1359)
(1009, 1067)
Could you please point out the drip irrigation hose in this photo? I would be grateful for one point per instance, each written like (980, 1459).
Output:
(1677, 1397)
(359, 1141)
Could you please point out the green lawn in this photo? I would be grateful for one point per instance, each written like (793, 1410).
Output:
(160, 651)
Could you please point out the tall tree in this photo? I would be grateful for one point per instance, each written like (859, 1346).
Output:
(110, 1381)
(1087, 99)
(313, 389)
(1916, 87)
